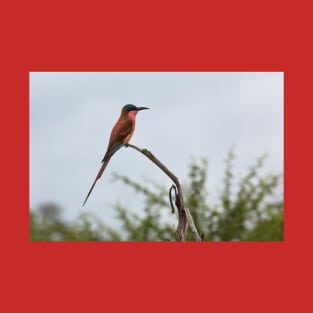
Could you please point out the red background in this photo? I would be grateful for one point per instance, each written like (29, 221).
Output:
(155, 36)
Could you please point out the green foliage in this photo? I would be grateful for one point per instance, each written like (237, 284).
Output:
(46, 225)
(148, 226)
(247, 209)
(252, 207)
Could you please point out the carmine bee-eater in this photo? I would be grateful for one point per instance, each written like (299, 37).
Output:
(120, 136)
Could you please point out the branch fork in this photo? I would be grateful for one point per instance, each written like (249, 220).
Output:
(184, 215)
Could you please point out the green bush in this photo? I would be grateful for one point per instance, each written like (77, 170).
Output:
(247, 209)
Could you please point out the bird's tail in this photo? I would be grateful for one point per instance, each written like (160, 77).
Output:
(104, 165)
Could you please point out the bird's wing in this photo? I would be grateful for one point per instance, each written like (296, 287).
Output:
(121, 134)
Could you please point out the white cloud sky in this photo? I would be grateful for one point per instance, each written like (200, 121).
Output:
(200, 114)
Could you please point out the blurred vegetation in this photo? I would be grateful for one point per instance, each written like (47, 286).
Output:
(247, 209)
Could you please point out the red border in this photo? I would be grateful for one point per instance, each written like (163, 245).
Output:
(143, 36)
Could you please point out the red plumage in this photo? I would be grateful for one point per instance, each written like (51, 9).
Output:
(120, 135)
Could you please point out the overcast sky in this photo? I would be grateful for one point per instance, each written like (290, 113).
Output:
(192, 115)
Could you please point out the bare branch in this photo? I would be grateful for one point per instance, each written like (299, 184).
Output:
(170, 197)
(184, 215)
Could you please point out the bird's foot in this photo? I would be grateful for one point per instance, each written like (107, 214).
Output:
(126, 145)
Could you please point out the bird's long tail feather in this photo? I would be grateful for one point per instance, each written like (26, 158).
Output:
(104, 165)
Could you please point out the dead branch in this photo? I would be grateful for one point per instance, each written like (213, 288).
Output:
(184, 215)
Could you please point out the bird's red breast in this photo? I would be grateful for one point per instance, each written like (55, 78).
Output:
(122, 130)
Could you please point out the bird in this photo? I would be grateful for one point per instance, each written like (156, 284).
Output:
(121, 134)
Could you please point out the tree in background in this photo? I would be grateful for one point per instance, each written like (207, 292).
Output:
(46, 224)
(247, 209)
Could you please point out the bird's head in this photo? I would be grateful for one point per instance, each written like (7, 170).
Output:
(132, 110)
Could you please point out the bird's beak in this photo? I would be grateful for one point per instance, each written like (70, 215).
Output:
(141, 108)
